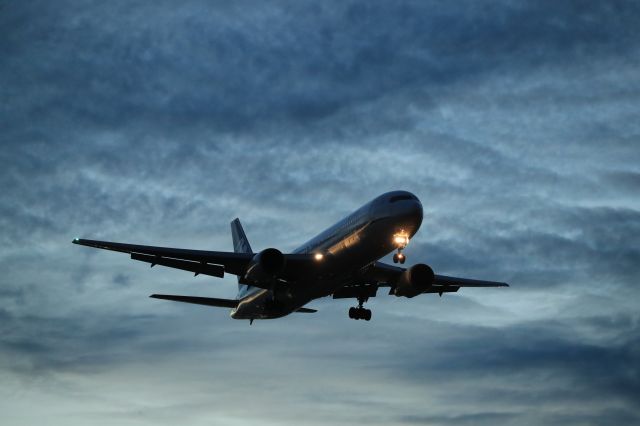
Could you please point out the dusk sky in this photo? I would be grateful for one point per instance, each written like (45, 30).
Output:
(516, 123)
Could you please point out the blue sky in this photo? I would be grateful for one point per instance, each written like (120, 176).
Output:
(157, 123)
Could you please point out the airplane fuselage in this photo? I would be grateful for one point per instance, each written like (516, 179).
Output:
(356, 241)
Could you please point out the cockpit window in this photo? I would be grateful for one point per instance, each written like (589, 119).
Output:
(401, 197)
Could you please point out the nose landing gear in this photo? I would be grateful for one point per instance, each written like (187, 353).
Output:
(360, 312)
(401, 239)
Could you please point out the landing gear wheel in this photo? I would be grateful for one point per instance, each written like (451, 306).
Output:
(360, 313)
(399, 258)
(366, 314)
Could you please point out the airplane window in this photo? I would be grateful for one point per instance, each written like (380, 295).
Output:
(400, 197)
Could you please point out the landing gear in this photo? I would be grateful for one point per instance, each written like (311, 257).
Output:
(401, 239)
(360, 312)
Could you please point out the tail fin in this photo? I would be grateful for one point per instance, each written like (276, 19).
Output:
(240, 242)
(240, 245)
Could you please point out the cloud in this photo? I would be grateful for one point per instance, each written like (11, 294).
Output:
(159, 123)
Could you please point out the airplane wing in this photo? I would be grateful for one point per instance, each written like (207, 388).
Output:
(214, 263)
(381, 274)
(388, 274)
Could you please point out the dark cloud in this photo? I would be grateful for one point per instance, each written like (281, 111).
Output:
(233, 67)
(514, 122)
(629, 182)
(570, 245)
(121, 279)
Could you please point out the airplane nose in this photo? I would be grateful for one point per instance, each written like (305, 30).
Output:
(411, 213)
(416, 213)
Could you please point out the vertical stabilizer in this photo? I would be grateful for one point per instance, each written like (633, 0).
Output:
(240, 245)
(240, 242)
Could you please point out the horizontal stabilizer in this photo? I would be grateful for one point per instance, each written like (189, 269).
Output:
(207, 301)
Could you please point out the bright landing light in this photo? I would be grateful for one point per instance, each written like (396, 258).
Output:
(318, 256)
(401, 239)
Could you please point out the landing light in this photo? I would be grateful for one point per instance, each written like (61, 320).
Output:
(401, 239)
(318, 256)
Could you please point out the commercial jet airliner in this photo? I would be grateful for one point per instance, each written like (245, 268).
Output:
(341, 262)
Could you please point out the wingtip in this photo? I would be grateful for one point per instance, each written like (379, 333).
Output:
(76, 240)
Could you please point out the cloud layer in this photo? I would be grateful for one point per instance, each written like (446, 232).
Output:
(157, 123)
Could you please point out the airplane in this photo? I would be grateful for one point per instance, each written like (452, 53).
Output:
(341, 262)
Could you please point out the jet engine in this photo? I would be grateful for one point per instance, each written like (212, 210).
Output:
(265, 265)
(414, 280)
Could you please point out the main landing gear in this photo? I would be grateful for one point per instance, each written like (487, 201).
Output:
(401, 239)
(360, 312)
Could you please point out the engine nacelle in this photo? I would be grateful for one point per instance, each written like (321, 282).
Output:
(414, 280)
(265, 265)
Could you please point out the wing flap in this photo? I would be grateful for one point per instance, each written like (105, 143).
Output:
(466, 282)
(185, 265)
(234, 263)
